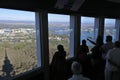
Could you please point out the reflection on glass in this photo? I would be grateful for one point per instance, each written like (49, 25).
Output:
(59, 33)
(87, 29)
(110, 29)
(17, 43)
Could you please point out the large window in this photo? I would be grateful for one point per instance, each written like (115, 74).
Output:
(109, 28)
(59, 33)
(17, 43)
(87, 29)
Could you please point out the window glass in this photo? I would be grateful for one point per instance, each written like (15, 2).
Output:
(59, 33)
(109, 28)
(87, 30)
(17, 42)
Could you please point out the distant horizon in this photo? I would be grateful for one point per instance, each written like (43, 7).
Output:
(34, 21)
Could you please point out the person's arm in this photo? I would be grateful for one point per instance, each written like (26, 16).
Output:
(113, 63)
(91, 41)
(109, 57)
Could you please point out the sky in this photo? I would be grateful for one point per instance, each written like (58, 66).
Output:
(8, 14)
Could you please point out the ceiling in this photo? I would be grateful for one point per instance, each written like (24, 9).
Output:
(93, 8)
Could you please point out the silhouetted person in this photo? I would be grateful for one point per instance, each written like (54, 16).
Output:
(96, 50)
(99, 41)
(77, 70)
(84, 48)
(112, 67)
(58, 64)
(97, 61)
(107, 46)
(84, 59)
(7, 67)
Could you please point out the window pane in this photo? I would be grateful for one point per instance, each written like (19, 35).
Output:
(17, 42)
(59, 33)
(109, 28)
(87, 29)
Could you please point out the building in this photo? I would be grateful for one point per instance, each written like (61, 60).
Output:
(99, 9)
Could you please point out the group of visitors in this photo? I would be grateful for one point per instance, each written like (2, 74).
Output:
(58, 67)
(105, 57)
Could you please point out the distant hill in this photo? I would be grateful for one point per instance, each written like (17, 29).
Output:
(51, 24)
(16, 22)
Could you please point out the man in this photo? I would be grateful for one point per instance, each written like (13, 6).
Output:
(107, 46)
(77, 69)
(112, 67)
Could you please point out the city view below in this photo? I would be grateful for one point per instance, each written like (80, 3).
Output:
(18, 39)
(18, 48)
(18, 44)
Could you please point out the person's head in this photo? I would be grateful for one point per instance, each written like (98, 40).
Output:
(117, 44)
(76, 68)
(99, 40)
(108, 38)
(83, 41)
(60, 47)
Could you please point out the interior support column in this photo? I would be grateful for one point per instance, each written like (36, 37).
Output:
(99, 27)
(117, 27)
(42, 41)
(75, 22)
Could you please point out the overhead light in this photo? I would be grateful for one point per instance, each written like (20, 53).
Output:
(60, 4)
(77, 4)
(73, 5)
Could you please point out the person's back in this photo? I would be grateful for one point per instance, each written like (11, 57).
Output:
(76, 69)
(112, 67)
(106, 47)
(84, 48)
(58, 64)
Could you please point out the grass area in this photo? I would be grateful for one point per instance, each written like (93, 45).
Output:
(21, 57)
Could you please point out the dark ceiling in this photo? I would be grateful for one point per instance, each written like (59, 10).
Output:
(93, 8)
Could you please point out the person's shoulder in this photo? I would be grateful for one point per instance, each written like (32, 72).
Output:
(115, 50)
(70, 79)
(56, 53)
(80, 46)
(110, 52)
(104, 45)
(86, 78)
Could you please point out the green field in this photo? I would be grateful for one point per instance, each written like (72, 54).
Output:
(21, 57)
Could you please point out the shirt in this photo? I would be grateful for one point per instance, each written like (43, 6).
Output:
(78, 77)
(114, 56)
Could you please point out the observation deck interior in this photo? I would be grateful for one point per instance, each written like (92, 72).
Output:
(99, 9)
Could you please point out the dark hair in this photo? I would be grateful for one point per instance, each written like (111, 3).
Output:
(83, 41)
(108, 38)
(60, 47)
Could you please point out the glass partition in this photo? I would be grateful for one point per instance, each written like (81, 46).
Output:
(87, 30)
(59, 33)
(17, 43)
(109, 29)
